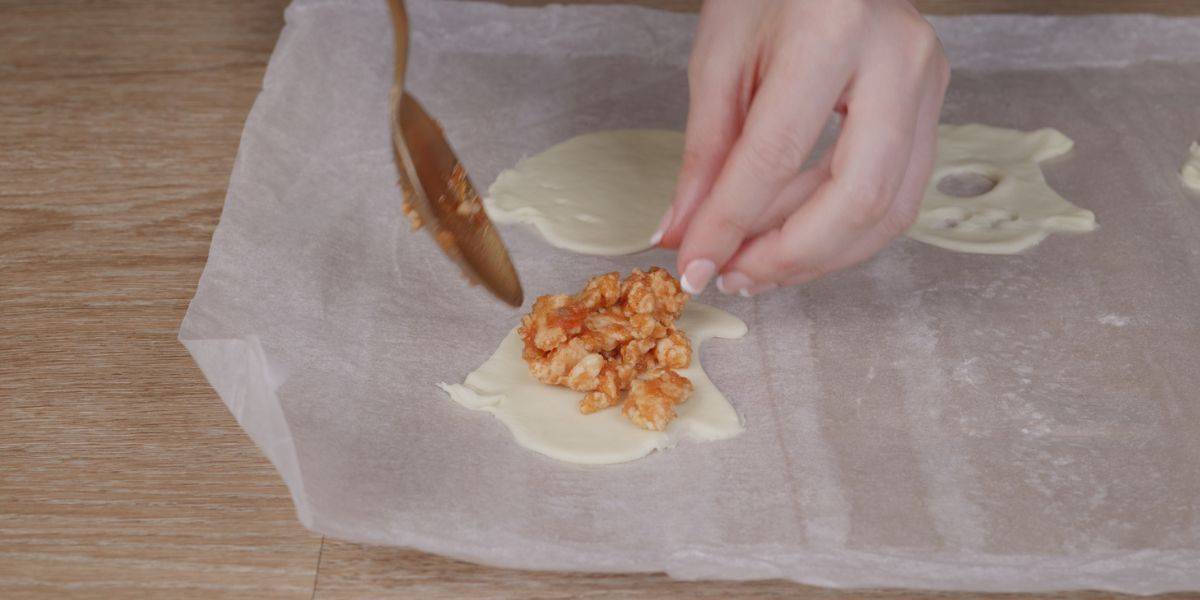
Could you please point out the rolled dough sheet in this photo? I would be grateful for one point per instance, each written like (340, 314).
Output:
(604, 193)
(546, 419)
(599, 193)
(1191, 169)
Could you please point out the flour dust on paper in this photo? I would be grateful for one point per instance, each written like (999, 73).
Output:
(547, 419)
(603, 193)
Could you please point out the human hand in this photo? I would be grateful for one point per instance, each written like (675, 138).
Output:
(764, 77)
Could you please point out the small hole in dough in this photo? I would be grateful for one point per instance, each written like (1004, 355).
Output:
(946, 217)
(965, 184)
(996, 218)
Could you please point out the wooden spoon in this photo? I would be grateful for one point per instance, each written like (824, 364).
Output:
(438, 195)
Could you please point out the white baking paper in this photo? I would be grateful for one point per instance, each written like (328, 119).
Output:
(928, 420)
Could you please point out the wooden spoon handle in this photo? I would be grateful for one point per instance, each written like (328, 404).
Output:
(400, 27)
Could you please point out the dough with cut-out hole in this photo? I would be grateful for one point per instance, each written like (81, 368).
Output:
(604, 193)
(1017, 213)
(546, 418)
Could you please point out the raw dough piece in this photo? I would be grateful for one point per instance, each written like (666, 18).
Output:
(546, 419)
(604, 193)
(1020, 211)
(1191, 169)
(599, 193)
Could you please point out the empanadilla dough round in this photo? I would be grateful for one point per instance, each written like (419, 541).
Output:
(599, 193)
(546, 418)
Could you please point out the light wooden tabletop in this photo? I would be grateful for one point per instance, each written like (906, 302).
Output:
(121, 473)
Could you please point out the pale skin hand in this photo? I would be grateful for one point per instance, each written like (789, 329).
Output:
(765, 76)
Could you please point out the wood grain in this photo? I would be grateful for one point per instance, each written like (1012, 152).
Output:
(121, 473)
(355, 571)
(960, 7)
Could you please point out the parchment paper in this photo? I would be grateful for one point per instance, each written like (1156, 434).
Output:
(929, 419)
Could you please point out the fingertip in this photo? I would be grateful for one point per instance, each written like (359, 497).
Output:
(696, 275)
(755, 290)
(733, 282)
(663, 225)
(656, 238)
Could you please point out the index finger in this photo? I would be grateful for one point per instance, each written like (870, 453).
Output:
(870, 161)
(781, 129)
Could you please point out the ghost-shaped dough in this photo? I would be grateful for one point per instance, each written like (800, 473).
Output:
(546, 418)
(1017, 213)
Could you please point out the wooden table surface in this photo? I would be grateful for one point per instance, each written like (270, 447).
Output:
(121, 473)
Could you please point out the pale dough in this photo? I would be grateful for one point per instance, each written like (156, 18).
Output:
(1191, 169)
(546, 419)
(599, 193)
(604, 193)
(1020, 211)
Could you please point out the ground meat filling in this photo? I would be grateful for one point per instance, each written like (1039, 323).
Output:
(617, 343)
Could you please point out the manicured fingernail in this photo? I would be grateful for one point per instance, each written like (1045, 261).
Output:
(733, 282)
(663, 225)
(697, 275)
(754, 290)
